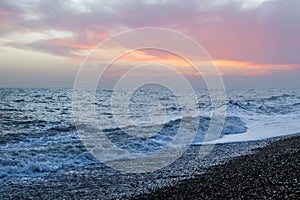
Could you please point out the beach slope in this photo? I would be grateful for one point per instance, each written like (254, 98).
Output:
(272, 172)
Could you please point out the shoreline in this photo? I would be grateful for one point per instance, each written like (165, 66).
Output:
(101, 182)
(270, 172)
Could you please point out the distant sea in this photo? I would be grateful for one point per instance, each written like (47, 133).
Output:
(38, 135)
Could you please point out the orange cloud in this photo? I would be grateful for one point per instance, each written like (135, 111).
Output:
(71, 44)
(142, 56)
(135, 57)
(192, 73)
(138, 57)
(246, 68)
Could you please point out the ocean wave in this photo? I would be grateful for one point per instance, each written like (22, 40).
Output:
(281, 104)
(40, 136)
(43, 155)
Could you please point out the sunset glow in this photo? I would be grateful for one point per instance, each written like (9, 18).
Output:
(257, 39)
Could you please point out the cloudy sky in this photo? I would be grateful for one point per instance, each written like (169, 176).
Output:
(254, 43)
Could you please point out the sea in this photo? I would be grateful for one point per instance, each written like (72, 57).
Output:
(40, 134)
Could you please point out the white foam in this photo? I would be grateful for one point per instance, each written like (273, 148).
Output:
(263, 127)
(42, 155)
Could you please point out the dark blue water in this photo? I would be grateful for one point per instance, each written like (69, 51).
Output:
(38, 133)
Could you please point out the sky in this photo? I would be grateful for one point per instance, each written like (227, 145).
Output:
(254, 44)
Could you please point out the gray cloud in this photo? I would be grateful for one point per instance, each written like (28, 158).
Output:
(268, 33)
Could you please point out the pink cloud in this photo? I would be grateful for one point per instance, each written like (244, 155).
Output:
(3, 13)
(262, 35)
